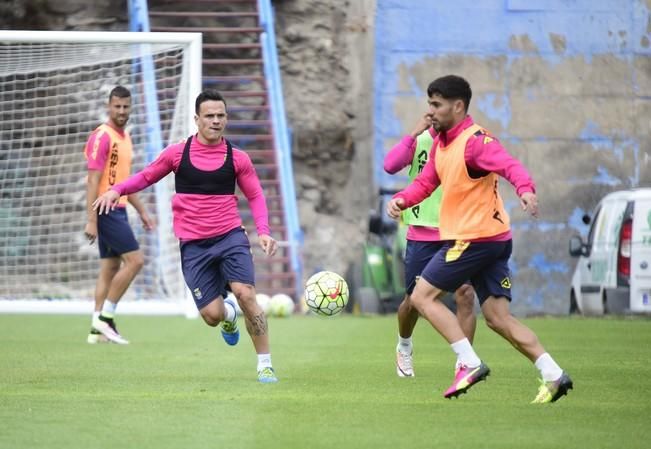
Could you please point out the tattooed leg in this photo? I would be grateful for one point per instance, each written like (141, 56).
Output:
(259, 332)
(257, 325)
(256, 322)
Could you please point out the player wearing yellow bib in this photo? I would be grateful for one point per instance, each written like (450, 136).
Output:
(423, 241)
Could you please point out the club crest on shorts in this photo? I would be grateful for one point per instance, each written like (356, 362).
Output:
(506, 283)
(197, 293)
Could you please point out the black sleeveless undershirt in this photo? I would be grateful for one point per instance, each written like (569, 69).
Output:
(189, 179)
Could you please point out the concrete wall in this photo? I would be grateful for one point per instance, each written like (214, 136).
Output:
(564, 84)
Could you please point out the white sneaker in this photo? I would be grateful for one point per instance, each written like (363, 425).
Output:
(404, 364)
(108, 332)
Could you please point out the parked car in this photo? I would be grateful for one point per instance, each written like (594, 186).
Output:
(613, 273)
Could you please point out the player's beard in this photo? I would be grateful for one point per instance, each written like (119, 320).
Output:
(439, 127)
(121, 121)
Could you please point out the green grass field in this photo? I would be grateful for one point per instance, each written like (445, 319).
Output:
(179, 386)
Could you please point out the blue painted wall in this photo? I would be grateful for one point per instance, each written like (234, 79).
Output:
(611, 38)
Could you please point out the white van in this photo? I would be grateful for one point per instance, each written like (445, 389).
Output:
(613, 274)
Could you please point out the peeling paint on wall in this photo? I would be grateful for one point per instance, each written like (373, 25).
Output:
(496, 108)
(539, 262)
(565, 86)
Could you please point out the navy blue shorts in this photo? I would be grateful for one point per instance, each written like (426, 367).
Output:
(209, 265)
(486, 264)
(114, 235)
(417, 255)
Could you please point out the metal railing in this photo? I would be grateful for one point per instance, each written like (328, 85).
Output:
(139, 21)
(281, 138)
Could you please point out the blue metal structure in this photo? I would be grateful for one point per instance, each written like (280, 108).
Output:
(281, 137)
(139, 21)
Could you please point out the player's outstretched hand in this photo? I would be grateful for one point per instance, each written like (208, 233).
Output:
(268, 245)
(106, 202)
(394, 207)
(529, 203)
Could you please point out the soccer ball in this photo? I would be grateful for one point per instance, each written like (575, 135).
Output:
(281, 305)
(326, 293)
(264, 301)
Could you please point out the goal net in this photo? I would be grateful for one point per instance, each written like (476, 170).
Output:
(55, 88)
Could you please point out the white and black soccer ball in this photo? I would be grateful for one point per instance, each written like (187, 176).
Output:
(326, 293)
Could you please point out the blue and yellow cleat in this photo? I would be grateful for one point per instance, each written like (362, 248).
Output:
(230, 331)
(267, 375)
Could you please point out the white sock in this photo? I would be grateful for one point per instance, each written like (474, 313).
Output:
(465, 354)
(108, 310)
(95, 316)
(264, 361)
(230, 312)
(457, 365)
(549, 369)
(404, 345)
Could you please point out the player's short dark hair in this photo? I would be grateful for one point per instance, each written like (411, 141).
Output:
(207, 95)
(120, 92)
(451, 87)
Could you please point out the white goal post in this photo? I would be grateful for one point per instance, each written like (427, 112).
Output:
(54, 92)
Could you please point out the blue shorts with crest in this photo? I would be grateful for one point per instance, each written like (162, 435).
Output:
(486, 264)
(210, 265)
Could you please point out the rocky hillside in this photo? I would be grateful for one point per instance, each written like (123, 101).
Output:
(325, 50)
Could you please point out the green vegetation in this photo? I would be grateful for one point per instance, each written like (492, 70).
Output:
(179, 386)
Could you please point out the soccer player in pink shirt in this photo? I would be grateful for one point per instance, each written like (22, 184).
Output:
(467, 161)
(109, 152)
(215, 250)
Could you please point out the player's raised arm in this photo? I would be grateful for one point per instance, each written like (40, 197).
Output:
(402, 153)
(488, 154)
(249, 183)
(422, 187)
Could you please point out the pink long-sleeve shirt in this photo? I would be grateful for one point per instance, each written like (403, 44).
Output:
(199, 216)
(483, 154)
(399, 157)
